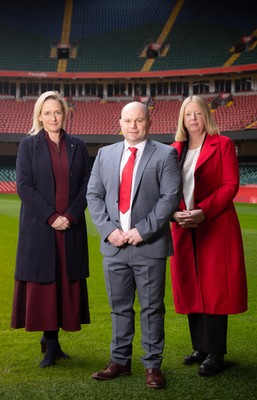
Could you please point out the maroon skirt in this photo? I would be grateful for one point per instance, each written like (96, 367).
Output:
(48, 307)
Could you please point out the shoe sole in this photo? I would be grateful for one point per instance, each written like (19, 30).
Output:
(155, 386)
(210, 373)
(192, 362)
(102, 378)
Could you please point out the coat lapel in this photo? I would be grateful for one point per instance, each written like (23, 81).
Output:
(209, 147)
(42, 147)
(180, 146)
(148, 151)
(115, 166)
(71, 147)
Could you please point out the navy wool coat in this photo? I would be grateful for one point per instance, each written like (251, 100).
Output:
(36, 252)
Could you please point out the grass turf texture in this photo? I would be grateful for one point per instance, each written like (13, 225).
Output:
(21, 377)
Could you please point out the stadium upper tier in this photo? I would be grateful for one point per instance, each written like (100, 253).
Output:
(112, 35)
(98, 117)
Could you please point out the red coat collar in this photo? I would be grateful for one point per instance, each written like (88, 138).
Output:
(209, 146)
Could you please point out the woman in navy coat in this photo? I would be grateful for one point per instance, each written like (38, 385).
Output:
(52, 172)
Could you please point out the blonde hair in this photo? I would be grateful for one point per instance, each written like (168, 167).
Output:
(209, 121)
(37, 125)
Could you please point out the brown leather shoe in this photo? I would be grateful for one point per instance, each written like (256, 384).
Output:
(154, 378)
(111, 371)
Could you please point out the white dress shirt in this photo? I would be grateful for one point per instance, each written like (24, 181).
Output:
(125, 219)
(188, 177)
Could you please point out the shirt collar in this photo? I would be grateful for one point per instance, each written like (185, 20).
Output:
(140, 146)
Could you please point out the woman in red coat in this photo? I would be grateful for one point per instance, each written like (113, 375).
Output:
(52, 172)
(207, 269)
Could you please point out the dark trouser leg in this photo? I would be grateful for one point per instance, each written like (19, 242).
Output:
(208, 332)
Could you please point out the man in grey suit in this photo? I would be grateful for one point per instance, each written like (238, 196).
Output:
(135, 244)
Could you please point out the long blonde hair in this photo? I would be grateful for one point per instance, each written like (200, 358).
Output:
(37, 125)
(209, 121)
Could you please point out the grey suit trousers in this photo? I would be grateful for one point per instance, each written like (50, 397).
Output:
(125, 274)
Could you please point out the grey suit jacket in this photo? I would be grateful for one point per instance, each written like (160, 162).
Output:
(156, 195)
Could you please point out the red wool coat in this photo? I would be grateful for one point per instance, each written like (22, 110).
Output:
(213, 282)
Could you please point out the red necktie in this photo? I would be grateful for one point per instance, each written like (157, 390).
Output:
(126, 181)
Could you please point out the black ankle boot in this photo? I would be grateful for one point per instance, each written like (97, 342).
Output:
(212, 365)
(197, 357)
(43, 344)
(51, 353)
(60, 354)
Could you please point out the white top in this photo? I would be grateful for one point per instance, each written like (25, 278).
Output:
(125, 219)
(188, 176)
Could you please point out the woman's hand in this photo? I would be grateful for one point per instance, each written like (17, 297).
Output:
(189, 218)
(61, 223)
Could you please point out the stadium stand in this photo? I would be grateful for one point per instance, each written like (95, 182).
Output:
(113, 36)
(16, 115)
(23, 24)
(203, 36)
(247, 194)
(247, 191)
(7, 180)
(101, 54)
(238, 114)
(98, 117)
